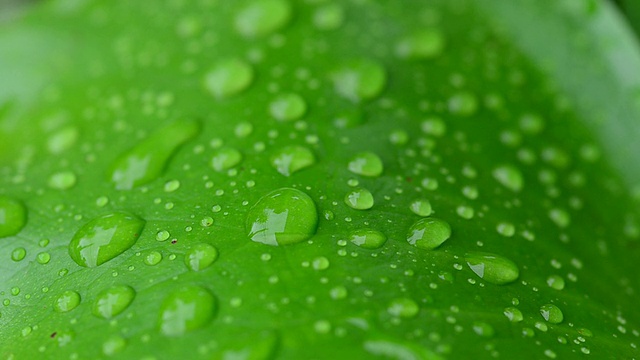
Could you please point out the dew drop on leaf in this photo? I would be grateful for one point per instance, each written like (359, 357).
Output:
(259, 18)
(113, 301)
(506, 229)
(423, 44)
(13, 216)
(555, 282)
(114, 345)
(104, 238)
(366, 164)
(560, 217)
(228, 78)
(62, 180)
(421, 207)
(18, 254)
(483, 329)
(152, 258)
(551, 313)
(403, 307)
(328, 17)
(463, 104)
(492, 268)
(434, 126)
(281, 217)
(513, 314)
(367, 238)
(186, 309)
(225, 158)
(509, 177)
(200, 257)
(359, 199)
(67, 301)
(291, 159)
(429, 233)
(359, 80)
(288, 107)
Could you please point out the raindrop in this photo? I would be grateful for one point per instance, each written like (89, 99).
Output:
(421, 207)
(463, 104)
(328, 17)
(114, 345)
(506, 229)
(63, 180)
(403, 307)
(67, 301)
(560, 217)
(18, 254)
(492, 268)
(359, 199)
(359, 80)
(189, 308)
(423, 44)
(366, 164)
(152, 258)
(551, 313)
(200, 256)
(113, 301)
(483, 329)
(367, 238)
(288, 107)
(228, 78)
(509, 177)
(555, 282)
(513, 314)
(262, 17)
(225, 158)
(429, 233)
(291, 159)
(13, 216)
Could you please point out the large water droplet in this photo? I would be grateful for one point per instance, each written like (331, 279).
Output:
(262, 17)
(366, 164)
(429, 233)
(513, 314)
(509, 177)
(67, 301)
(359, 80)
(367, 238)
(284, 216)
(492, 268)
(113, 301)
(291, 159)
(423, 44)
(189, 308)
(200, 257)
(228, 77)
(288, 107)
(551, 313)
(225, 158)
(13, 216)
(147, 160)
(104, 238)
(359, 199)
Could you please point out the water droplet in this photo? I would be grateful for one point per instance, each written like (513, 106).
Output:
(429, 233)
(359, 199)
(423, 44)
(114, 345)
(429, 183)
(465, 212)
(421, 207)
(43, 258)
(225, 158)
(67, 301)
(509, 177)
(104, 238)
(288, 107)
(367, 238)
(206, 221)
(483, 329)
(172, 185)
(243, 129)
(492, 268)
(366, 164)
(62, 180)
(403, 307)
(560, 217)
(555, 282)
(322, 326)
(262, 17)
(434, 126)
(62, 139)
(113, 301)
(506, 229)
(147, 160)
(463, 104)
(200, 257)
(320, 263)
(281, 217)
(65, 337)
(359, 80)
(338, 292)
(102, 201)
(189, 308)
(328, 17)
(399, 137)
(531, 124)
(551, 313)
(228, 78)
(162, 235)
(152, 258)
(513, 314)
(18, 254)
(291, 159)
(13, 216)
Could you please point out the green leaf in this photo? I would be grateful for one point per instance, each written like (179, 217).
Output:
(263, 179)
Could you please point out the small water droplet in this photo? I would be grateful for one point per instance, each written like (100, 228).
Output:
(43, 258)
(206, 221)
(463, 104)
(359, 80)
(172, 185)
(152, 258)
(320, 263)
(429, 233)
(189, 308)
(113, 301)
(359, 199)
(62, 139)
(259, 18)
(492, 268)
(366, 164)
(338, 292)
(434, 126)
(281, 217)
(513, 314)
(421, 207)
(560, 217)
(531, 124)
(288, 107)
(18, 254)
(403, 307)
(200, 257)
(104, 238)
(506, 229)
(399, 137)
(551, 313)
(228, 78)
(509, 177)
(102, 201)
(555, 282)
(367, 238)
(114, 345)
(62, 180)
(67, 301)
(465, 212)
(483, 329)
(225, 158)
(423, 44)
(328, 17)
(243, 129)
(291, 159)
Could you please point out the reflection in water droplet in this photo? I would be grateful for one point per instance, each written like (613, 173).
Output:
(359, 199)
(291, 159)
(288, 107)
(555, 282)
(366, 164)
(281, 217)
(262, 17)
(429, 233)
(225, 158)
(189, 308)
(509, 177)
(421, 207)
(228, 78)
(13, 216)
(367, 238)
(359, 80)
(513, 314)
(104, 238)
(200, 257)
(551, 313)
(113, 301)
(67, 301)
(492, 268)
(62, 180)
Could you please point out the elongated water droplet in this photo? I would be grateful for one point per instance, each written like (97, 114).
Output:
(367, 238)
(492, 268)
(225, 158)
(291, 159)
(147, 160)
(509, 177)
(366, 164)
(434, 126)
(483, 329)
(104, 238)
(288, 107)
(551, 313)
(228, 77)
(555, 282)
(424, 44)
(359, 199)
(67, 301)
(113, 301)
(429, 233)
(62, 139)
(200, 257)
(262, 17)
(281, 217)
(359, 80)
(513, 314)
(189, 308)
(329, 17)
(62, 180)
(560, 217)
(13, 216)
(421, 207)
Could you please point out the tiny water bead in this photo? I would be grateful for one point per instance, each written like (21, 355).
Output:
(259, 18)
(424, 44)
(509, 177)
(186, 309)
(62, 180)
(551, 313)
(403, 307)
(104, 238)
(63, 139)
(43, 258)
(225, 158)
(172, 185)
(281, 217)
(200, 256)
(367, 238)
(513, 314)
(320, 263)
(206, 221)
(162, 235)
(366, 164)
(555, 282)
(429, 233)
(113, 301)
(359, 199)
(291, 159)
(148, 159)
(421, 207)
(359, 80)
(492, 268)
(67, 301)
(288, 107)
(228, 78)
(13, 216)
(152, 258)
